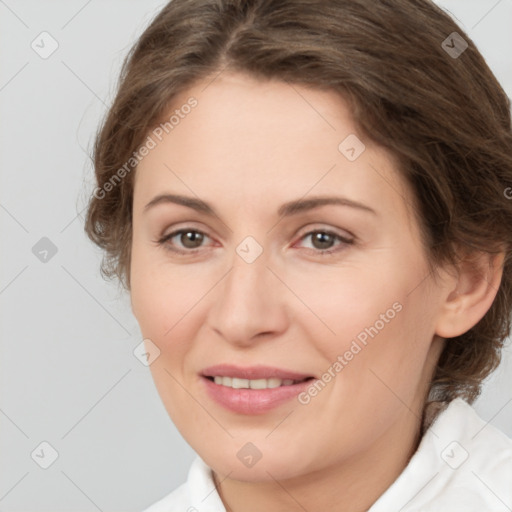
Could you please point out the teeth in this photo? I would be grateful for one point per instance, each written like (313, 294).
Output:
(236, 383)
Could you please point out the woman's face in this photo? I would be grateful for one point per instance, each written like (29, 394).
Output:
(265, 287)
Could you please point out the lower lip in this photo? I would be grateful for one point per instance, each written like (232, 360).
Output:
(252, 401)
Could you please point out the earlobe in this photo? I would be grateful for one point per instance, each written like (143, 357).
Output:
(471, 294)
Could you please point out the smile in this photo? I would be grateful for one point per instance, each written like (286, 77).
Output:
(253, 390)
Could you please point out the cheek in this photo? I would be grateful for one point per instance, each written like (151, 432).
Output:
(167, 301)
(374, 365)
(374, 320)
(347, 303)
(163, 304)
(161, 311)
(156, 297)
(394, 362)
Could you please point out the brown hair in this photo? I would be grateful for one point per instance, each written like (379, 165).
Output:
(444, 117)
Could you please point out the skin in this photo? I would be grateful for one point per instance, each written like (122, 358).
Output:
(247, 148)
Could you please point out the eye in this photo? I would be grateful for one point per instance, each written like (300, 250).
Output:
(189, 240)
(323, 240)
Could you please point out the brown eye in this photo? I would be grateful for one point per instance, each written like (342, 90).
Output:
(322, 240)
(183, 241)
(191, 239)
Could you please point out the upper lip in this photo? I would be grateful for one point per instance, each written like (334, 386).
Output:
(252, 372)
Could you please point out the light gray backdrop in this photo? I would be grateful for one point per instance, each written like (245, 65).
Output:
(69, 378)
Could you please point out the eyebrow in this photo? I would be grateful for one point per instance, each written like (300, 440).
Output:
(285, 210)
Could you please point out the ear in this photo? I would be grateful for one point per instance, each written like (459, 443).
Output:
(470, 293)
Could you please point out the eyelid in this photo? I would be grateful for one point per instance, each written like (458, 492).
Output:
(183, 226)
(343, 234)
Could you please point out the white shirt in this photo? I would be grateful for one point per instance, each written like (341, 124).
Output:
(462, 464)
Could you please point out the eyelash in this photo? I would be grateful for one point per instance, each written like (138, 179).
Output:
(326, 252)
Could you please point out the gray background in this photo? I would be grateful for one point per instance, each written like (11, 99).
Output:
(68, 373)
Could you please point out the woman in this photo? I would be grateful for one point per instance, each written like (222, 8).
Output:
(307, 202)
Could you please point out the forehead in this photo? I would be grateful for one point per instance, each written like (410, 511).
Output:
(249, 140)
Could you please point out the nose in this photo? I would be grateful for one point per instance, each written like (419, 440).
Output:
(249, 304)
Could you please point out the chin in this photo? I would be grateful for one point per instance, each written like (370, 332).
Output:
(269, 465)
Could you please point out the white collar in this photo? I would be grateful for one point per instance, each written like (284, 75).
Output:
(462, 464)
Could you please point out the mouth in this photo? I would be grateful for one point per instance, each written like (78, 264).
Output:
(252, 390)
